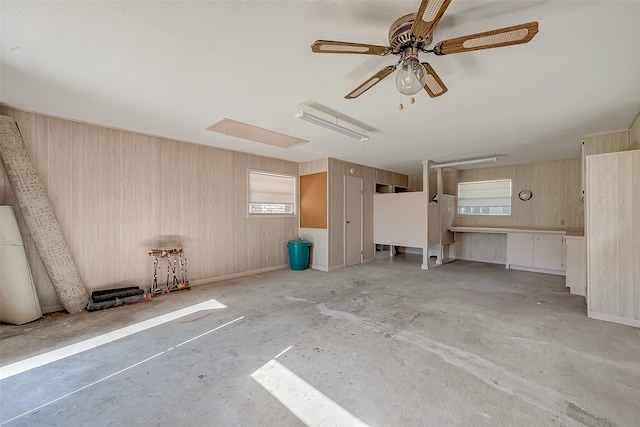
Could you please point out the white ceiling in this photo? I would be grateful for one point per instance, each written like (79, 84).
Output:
(174, 68)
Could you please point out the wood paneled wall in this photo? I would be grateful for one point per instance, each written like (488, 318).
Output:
(415, 182)
(555, 204)
(634, 135)
(449, 182)
(117, 194)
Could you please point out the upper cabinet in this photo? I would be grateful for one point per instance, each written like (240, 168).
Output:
(600, 144)
(383, 177)
(606, 143)
(400, 180)
(392, 180)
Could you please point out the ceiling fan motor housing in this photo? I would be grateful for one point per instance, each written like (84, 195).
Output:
(400, 36)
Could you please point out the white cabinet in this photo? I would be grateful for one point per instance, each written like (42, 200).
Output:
(520, 249)
(603, 143)
(612, 204)
(542, 252)
(576, 264)
(548, 251)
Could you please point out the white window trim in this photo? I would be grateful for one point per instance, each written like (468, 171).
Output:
(274, 215)
(458, 213)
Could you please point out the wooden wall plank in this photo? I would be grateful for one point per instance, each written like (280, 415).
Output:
(634, 134)
(77, 195)
(528, 212)
(336, 213)
(117, 194)
(415, 182)
(89, 224)
(368, 190)
(60, 172)
(320, 165)
(109, 215)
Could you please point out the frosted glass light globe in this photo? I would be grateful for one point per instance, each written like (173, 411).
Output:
(411, 77)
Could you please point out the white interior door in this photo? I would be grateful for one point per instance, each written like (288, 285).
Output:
(353, 220)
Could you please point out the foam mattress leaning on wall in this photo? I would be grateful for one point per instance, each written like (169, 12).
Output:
(41, 221)
(18, 300)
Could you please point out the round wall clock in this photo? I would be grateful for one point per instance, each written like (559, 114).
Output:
(525, 195)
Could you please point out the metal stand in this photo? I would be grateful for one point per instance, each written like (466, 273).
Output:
(172, 254)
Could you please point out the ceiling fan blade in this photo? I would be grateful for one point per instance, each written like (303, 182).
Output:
(328, 46)
(508, 36)
(372, 81)
(434, 85)
(428, 16)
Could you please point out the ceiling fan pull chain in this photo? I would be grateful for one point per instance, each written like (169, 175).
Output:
(400, 107)
(413, 100)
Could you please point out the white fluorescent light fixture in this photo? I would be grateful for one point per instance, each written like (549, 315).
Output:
(330, 122)
(464, 162)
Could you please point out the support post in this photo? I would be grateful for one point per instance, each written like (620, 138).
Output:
(425, 191)
(440, 190)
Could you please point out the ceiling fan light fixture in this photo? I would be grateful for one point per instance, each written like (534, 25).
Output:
(411, 76)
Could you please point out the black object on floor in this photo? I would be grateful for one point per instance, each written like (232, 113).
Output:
(115, 297)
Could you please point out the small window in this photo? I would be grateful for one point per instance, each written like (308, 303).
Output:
(485, 197)
(271, 193)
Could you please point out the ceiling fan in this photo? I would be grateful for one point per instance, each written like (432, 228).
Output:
(410, 35)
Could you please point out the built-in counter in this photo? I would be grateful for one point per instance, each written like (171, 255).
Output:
(536, 250)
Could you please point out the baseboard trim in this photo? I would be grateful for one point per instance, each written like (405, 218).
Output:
(614, 319)
(51, 308)
(488, 261)
(537, 270)
(235, 275)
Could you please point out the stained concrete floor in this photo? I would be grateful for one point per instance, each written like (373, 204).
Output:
(466, 344)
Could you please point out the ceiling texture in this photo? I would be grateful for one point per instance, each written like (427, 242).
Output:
(172, 69)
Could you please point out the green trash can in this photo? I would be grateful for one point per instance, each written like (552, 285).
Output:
(299, 254)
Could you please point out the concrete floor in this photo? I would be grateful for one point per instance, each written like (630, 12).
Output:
(464, 344)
